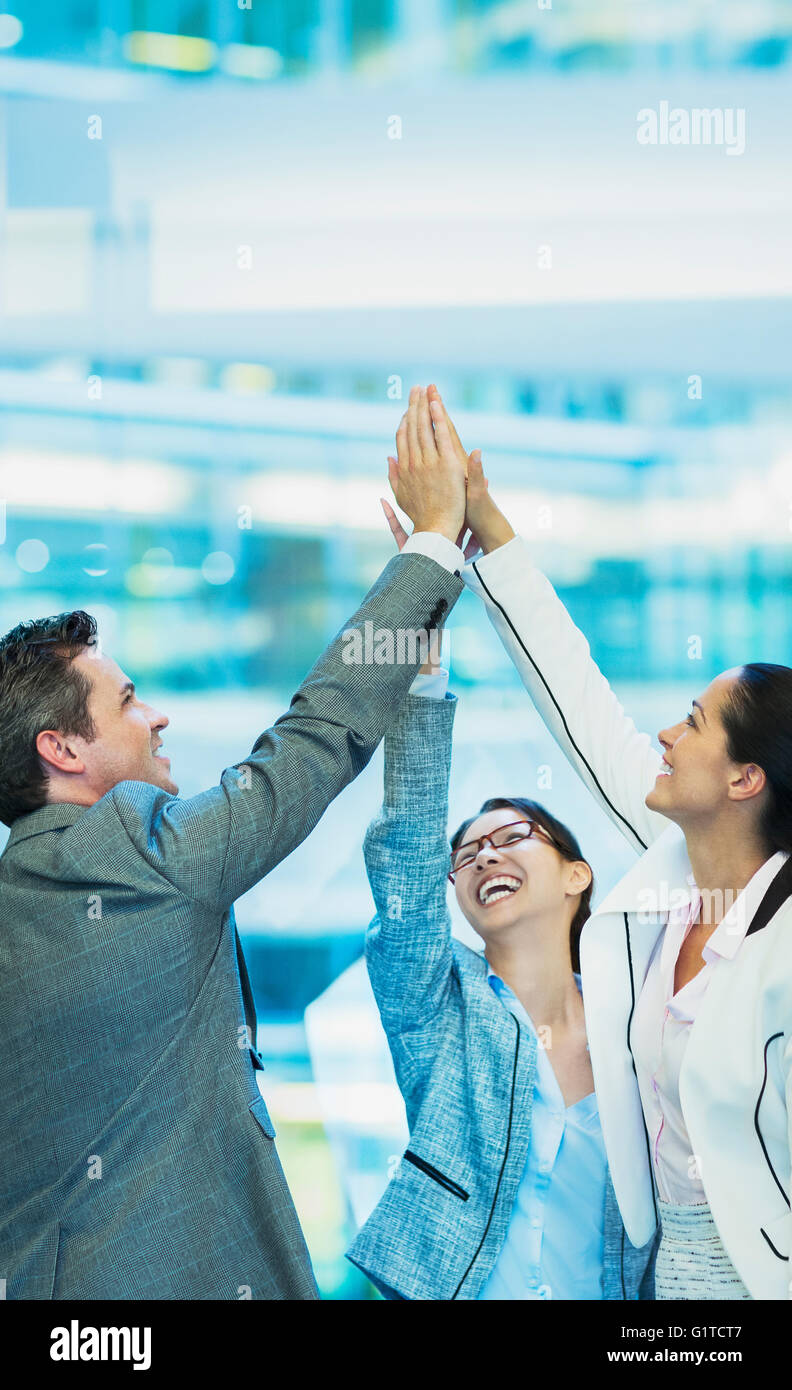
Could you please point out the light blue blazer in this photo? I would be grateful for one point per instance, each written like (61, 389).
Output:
(464, 1064)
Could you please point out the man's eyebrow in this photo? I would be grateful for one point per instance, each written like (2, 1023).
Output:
(698, 707)
(128, 685)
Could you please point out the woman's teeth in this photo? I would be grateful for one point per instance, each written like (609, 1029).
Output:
(496, 888)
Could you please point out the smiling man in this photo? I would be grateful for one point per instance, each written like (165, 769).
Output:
(136, 1151)
(117, 736)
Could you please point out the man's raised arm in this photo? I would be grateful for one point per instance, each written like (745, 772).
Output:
(216, 845)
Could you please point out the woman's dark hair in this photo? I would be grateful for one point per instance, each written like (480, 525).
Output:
(757, 718)
(40, 689)
(566, 845)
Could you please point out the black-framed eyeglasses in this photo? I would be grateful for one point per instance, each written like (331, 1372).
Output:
(464, 856)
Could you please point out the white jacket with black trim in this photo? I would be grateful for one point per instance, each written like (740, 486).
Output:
(736, 1078)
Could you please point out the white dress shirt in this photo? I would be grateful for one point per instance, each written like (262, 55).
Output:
(437, 547)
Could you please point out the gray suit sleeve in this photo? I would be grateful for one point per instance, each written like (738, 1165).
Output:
(408, 943)
(216, 845)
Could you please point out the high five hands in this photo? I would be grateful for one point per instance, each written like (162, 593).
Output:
(437, 483)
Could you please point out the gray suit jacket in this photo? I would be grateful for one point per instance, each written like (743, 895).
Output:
(464, 1064)
(136, 1154)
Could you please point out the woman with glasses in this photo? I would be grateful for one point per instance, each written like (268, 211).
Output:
(503, 1191)
(687, 963)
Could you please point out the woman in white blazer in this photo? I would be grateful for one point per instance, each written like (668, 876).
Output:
(687, 963)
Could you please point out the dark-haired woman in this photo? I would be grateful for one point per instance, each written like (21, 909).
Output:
(503, 1191)
(687, 964)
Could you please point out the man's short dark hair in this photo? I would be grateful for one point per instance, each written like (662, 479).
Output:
(40, 689)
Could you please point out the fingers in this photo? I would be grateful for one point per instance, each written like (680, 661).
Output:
(402, 444)
(434, 395)
(413, 442)
(475, 469)
(397, 530)
(393, 477)
(426, 434)
(393, 519)
(443, 440)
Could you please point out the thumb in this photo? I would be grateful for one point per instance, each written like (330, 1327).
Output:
(475, 469)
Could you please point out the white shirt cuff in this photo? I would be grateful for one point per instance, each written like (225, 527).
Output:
(437, 547)
(434, 686)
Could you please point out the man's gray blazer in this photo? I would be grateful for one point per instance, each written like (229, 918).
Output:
(136, 1153)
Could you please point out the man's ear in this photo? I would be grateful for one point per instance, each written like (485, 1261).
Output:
(57, 752)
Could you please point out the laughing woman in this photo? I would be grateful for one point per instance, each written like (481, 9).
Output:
(686, 965)
(503, 1191)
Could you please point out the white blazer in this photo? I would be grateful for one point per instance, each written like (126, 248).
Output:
(736, 1077)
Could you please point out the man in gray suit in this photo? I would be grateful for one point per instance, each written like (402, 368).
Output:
(136, 1153)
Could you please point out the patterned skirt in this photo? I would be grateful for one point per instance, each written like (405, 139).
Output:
(691, 1260)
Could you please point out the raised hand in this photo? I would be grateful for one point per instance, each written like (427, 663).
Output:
(433, 396)
(483, 518)
(427, 476)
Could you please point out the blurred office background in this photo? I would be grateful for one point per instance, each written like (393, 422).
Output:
(233, 235)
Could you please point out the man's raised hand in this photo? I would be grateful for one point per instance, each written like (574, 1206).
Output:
(484, 519)
(427, 477)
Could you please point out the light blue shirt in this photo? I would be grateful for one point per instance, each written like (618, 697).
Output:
(554, 1244)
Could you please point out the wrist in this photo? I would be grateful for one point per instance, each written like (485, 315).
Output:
(494, 535)
(441, 526)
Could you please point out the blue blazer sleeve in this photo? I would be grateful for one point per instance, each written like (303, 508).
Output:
(408, 943)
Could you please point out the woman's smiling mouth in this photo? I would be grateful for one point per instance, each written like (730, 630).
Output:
(497, 887)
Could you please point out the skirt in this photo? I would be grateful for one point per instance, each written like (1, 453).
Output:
(691, 1260)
